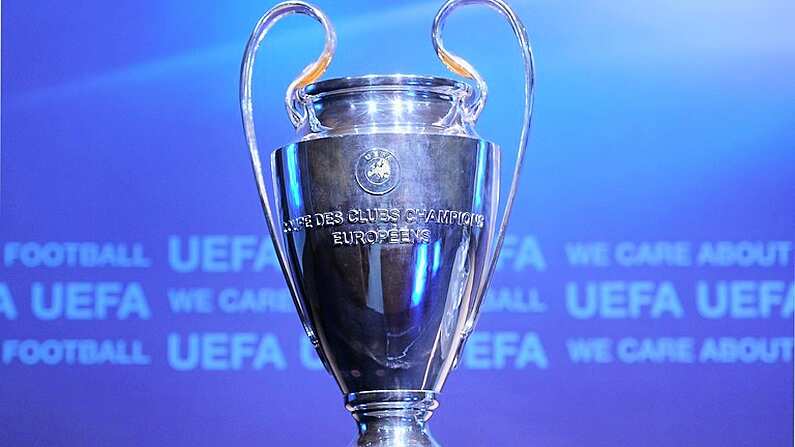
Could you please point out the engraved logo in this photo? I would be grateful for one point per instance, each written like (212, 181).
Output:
(377, 171)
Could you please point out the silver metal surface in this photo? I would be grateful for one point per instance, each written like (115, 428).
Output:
(384, 219)
(385, 103)
(387, 279)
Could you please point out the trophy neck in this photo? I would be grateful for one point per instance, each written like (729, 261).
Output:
(392, 418)
(385, 104)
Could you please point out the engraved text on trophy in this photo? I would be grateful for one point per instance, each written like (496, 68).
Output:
(368, 226)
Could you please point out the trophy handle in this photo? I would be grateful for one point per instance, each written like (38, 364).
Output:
(474, 106)
(297, 115)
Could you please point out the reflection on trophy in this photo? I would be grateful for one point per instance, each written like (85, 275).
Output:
(384, 215)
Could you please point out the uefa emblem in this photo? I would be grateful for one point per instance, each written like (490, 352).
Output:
(377, 171)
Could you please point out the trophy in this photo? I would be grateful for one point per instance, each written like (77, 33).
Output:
(384, 217)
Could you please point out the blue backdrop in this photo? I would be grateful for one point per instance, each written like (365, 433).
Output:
(645, 294)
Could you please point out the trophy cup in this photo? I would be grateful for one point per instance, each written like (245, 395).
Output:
(384, 217)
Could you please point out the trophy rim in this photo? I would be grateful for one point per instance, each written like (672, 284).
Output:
(396, 81)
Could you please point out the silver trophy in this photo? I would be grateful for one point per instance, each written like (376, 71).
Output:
(384, 216)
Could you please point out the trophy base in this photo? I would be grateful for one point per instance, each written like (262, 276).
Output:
(392, 418)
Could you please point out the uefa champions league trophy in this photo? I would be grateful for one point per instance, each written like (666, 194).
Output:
(384, 216)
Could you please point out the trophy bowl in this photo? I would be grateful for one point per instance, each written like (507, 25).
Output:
(384, 216)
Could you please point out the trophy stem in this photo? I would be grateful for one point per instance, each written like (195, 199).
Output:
(392, 418)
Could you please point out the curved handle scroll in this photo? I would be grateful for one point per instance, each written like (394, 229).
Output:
(457, 64)
(478, 99)
(297, 116)
(308, 75)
